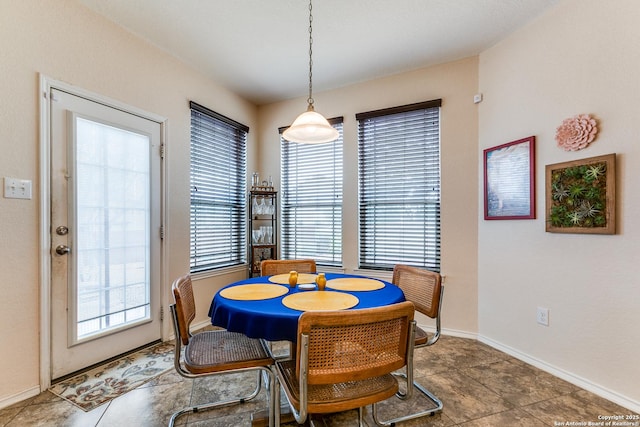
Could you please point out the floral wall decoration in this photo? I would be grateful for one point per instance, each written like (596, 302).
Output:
(580, 196)
(576, 133)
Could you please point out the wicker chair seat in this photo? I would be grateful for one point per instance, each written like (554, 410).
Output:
(421, 336)
(215, 351)
(423, 288)
(323, 398)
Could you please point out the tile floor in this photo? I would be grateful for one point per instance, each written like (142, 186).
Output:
(479, 386)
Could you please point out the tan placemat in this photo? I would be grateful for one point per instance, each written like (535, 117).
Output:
(302, 278)
(320, 301)
(254, 291)
(354, 284)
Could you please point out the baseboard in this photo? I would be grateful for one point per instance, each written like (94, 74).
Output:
(199, 325)
(565, 375)
(450, 332)
(19, 397)
(458, 333)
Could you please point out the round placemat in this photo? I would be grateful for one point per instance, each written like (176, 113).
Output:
(354, 284)
(254, 292)
(320, 301)
(283, 279)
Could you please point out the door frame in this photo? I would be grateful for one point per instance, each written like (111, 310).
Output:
(46, 84)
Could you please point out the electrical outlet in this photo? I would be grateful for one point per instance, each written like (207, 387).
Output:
(542, 316)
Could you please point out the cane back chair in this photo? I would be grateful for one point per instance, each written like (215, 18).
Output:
(424, 288)
(345, 359)
(215, 352)
(269, 267)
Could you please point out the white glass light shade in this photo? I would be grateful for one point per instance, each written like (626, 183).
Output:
(310, 128)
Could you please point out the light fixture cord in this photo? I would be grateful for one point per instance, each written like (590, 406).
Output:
(310, 99)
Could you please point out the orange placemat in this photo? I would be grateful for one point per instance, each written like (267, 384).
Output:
(354, 284)
(302, 278)
(254, 291)
(320, 301)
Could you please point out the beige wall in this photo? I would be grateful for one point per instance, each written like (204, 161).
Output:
(69, 43)
(455, 83)
(582, 56)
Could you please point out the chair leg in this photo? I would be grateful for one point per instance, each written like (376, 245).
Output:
(390, 423)
(242, 399)
(361, 417)
(274, 396)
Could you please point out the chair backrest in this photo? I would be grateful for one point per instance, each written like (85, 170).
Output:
(420, 286)
(269, 267)
(349, 345)
(185, 306)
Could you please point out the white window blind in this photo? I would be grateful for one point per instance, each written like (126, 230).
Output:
(399, 186)
(218, 200)
(311, 205)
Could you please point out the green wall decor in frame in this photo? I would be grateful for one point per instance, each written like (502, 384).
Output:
(580, 196)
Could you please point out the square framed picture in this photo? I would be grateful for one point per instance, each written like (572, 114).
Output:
(580, 196)
(509, 180)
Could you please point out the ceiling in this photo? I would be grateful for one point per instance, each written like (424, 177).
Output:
(260, 48)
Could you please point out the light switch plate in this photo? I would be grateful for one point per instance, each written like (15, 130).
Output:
(542, 316)
(15, 188)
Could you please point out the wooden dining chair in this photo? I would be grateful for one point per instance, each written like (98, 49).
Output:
(269, 267)
(345, 359)
(216, 352)
(424, 288)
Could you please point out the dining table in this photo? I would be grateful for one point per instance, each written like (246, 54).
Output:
(268, 307)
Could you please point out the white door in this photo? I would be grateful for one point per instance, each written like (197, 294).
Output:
(105, 232)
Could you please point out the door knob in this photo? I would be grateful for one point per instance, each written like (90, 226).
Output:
(62, 249)
(62, 230)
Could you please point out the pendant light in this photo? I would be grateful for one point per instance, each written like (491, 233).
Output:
(310, 127)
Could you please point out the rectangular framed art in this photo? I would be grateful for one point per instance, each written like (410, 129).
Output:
(580, 196)
(509, 180)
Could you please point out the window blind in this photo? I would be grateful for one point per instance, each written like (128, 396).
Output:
(311, 203)
(218, 201)
(399, 186)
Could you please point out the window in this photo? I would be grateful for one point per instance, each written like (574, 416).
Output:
(399, 186)
(218, 200)
(312, 200)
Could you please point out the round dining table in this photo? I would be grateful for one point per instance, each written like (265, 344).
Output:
(270, 319)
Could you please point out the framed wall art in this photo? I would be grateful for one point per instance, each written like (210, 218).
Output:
(509, 180)
(580, 196)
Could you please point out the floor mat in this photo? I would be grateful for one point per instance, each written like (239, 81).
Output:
(91, 389)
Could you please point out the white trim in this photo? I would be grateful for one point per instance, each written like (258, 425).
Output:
(193, 328)
(46, 84)
(378, 274)
(197, 326)
(165, 286)
(45, 225)
(219, 272)
(328, 269)
(19, 397)
(452, 332)
(565, 375)
(101, 99)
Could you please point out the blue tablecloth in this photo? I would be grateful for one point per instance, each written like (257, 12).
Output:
(271, 320)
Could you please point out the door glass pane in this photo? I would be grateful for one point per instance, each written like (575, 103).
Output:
(112, 245)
